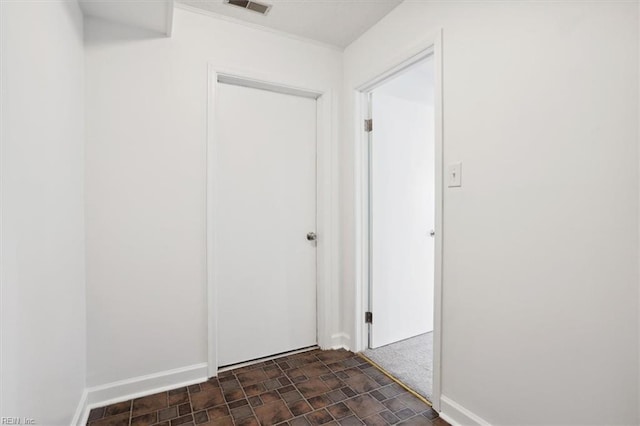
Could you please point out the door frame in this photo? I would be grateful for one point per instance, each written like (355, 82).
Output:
(326, 220)
(426, 47)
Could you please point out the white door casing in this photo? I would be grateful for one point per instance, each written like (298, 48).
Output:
(431, 45)
(329, 333)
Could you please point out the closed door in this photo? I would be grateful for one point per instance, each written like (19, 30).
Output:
(402, 207)
(265, 274)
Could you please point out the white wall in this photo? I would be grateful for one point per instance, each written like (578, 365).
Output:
(42, 175)
(146, 175)
(541, 242)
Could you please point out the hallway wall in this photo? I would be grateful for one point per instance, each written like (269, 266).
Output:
(42, 302)
(541, 241)
(146, 180)
(540, 292)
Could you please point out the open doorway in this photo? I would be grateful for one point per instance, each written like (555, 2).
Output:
(402, 225)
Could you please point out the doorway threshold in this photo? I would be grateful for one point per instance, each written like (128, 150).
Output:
(266, 358)
(395, 379)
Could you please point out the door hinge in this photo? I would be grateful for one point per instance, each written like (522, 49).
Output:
(368, 125)
(368, 317)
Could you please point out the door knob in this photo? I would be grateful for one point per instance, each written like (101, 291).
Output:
(311, 236)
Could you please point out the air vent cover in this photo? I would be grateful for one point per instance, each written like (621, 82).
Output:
(254, 6)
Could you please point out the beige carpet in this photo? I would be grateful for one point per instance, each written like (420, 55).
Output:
(410, 361)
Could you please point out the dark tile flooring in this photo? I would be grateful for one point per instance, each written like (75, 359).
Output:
(308, 389)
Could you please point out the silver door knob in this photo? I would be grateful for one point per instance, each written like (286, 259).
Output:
(311, 236)
(432, 233)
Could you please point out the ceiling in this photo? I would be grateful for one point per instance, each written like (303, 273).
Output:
(334, 22)
(152, 15)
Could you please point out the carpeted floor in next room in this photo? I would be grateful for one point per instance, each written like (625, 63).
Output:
(313, 388)
(410, 361)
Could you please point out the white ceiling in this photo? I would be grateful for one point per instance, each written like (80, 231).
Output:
(335, 22)
(151, 15)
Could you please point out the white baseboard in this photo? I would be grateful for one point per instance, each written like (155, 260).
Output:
(136, 387)
(340, 341)
(79, 416)
(456, 415)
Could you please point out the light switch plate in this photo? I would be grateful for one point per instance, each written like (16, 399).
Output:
(454, 175)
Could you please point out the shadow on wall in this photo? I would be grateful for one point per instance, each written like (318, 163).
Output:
(115, 33)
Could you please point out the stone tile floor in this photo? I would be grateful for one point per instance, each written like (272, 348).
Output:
(307, 389)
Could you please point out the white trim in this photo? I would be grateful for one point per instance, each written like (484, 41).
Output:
(81, 415)
(291, 36)
(264, 85)
(169, 21)
(326, 224)
(439, 222)
(396, 70)
(456, 415)
(422, 49)
(212, 318)
(340, 341)
(136, 387)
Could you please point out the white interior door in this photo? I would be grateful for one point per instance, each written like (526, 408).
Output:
(265, 274)
(402, 209)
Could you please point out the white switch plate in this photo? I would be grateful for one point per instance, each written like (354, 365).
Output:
(454, 175)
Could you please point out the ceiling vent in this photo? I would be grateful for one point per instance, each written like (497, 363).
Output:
(261, 8)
